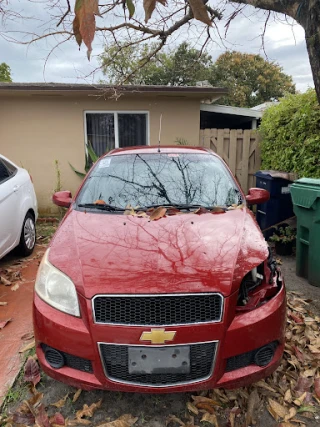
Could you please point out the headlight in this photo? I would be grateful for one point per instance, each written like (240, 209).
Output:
(55, 288)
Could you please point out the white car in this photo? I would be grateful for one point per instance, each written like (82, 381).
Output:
(18, 209)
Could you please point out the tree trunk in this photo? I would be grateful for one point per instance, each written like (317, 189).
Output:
(311, 25)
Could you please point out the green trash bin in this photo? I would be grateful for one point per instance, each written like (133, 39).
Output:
(305, 195)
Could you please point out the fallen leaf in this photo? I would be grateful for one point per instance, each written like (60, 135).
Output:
(100, 202)
(28, 347)
(27, 336)
(4, 281)
(15, 287)
(126, 420)
(210, 418)
(279, 409)
(292, 413)
(317, 386)
(32, 371)
(42, 419)
(88, 411)
(192, 408)
(300, 400)
(158, 213)
(171, 418)
(57, 419)
(3, 303)
(303, 384)
(23, 418)
(253, 402)
(60, 403)
(4, 323)
(76, 395)
(288, 396)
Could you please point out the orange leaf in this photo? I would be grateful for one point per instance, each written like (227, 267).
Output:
(87, 411)
(158, 213)
(85, 11)
(205, 406)
(100, 202)
(149, 6)
(200, 12)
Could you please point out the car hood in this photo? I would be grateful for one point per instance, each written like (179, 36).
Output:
(118, 254)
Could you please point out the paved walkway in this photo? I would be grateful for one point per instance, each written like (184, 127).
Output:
(19, 309)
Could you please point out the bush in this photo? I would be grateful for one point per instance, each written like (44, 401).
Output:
(290, 134)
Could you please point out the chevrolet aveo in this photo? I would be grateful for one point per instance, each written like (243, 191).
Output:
(159, 279)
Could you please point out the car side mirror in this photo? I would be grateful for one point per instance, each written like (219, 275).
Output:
(257, 196)
(62, 198)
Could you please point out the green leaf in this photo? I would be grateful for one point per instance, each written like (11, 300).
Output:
(131, 8)
(93, 156)
(80, 174)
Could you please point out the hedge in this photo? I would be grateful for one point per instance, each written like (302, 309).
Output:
(290, 134)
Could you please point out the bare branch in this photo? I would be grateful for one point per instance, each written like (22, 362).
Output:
(64, 16)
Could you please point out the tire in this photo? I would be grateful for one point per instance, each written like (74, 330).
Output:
(28, 236)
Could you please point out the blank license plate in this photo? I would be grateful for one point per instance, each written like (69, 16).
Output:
(164, 360)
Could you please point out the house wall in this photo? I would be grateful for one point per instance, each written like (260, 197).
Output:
(37, 130)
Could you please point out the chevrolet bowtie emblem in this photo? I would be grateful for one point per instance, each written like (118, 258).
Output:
(158, 336)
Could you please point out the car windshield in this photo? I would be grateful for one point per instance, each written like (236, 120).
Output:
(146, 180)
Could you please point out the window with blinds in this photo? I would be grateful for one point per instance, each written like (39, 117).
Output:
(108, 130)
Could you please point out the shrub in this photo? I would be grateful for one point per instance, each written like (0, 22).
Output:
(290, 134)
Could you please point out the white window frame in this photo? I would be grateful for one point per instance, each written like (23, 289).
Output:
(116, 129)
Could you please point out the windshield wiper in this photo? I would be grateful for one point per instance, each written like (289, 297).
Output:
(100, 207)
(177, 206)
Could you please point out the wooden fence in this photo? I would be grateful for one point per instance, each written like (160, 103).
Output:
(239, 149)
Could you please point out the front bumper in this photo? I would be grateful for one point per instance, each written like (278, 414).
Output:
(81, 337)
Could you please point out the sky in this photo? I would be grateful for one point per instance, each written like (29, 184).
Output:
(284, 43)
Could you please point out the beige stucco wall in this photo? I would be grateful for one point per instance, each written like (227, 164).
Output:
(37, 130)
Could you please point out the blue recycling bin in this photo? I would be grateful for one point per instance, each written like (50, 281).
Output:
(279, 207)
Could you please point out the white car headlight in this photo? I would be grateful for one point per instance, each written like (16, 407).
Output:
(55, 288)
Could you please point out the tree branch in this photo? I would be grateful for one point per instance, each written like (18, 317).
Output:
(288, 7)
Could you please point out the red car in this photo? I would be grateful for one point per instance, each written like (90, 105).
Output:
(159, 279)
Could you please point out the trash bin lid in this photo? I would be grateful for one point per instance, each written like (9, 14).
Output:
(271, 174)
(305, 192)
(309, 181)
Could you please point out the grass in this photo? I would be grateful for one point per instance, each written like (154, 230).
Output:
(45, 231)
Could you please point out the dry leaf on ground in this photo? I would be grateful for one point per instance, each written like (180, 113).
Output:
(88, 411)
(32, 371)
(126, 420)
(60, 402)
(28, 346)
(3, 323)
(4, 281)
(157, 213)
(76, 395)
(210, 418)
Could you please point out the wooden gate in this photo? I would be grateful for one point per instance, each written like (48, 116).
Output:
(239, 149)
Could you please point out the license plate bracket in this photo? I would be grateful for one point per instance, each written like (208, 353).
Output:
(159, 360)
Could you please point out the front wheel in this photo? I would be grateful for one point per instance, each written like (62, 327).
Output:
(28, 236)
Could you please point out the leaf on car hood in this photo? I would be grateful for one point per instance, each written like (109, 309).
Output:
(4, 281)
(157, 213)
(28, 347)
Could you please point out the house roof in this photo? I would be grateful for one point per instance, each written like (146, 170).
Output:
(235, 111)
(62, 89)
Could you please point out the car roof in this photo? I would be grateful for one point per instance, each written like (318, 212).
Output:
(143, 149)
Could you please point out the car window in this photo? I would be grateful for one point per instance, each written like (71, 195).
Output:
(10, 167)
(160, 178)
(4, 173)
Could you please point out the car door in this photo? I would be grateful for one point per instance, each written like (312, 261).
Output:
(9, 209)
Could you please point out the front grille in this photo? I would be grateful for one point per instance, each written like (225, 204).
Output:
(115, 360)
(260, 356)
(161, 310)
(67, 359)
